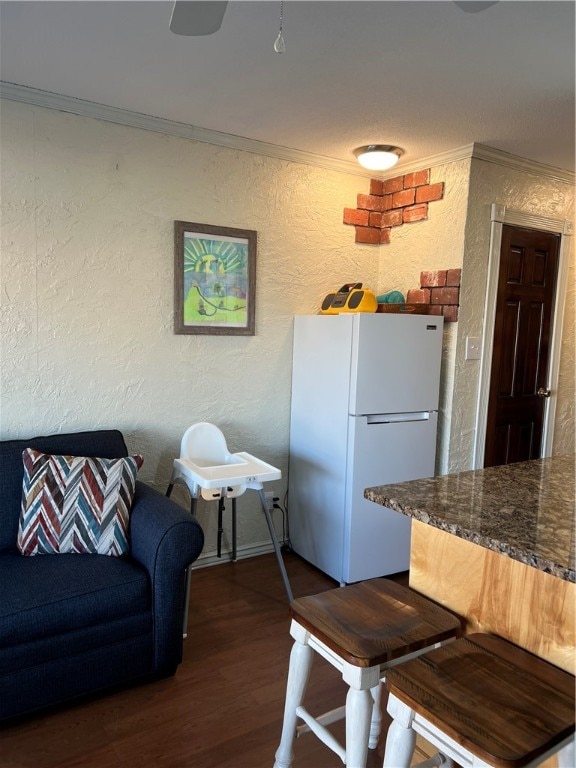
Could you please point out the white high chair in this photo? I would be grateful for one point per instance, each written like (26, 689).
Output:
(209, 470)
(205, 446)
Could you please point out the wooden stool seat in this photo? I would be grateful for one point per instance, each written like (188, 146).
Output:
(374, 622)
(362, 630)
(480, 697)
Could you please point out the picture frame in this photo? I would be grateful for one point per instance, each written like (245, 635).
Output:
(214, 279)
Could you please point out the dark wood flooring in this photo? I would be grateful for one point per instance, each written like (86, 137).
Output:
(224, 706)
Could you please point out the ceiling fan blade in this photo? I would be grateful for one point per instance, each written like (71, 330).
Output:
(470, 6)
(197, 17)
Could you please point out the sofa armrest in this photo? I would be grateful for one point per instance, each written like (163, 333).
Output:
(165, 539)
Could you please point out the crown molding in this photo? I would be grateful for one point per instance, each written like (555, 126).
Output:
(39, 98)
(84, 108)
(498, 157)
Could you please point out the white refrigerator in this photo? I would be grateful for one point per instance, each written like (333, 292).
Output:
(364, 412)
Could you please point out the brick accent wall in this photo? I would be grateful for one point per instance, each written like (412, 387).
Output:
(392, 203)
(440, 290)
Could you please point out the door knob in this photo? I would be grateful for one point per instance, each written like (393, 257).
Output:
(543, 392)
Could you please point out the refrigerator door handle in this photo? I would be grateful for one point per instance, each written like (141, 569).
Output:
(391, 418)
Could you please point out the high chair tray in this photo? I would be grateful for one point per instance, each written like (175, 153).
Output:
(241, 468)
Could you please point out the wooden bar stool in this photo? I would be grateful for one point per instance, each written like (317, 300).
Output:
(362, 630)
(481, 701)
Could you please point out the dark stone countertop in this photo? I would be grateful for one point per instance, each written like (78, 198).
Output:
(524, 511)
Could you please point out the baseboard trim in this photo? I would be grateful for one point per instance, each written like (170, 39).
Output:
(242, 553)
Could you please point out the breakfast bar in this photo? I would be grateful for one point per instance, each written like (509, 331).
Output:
(496, 546)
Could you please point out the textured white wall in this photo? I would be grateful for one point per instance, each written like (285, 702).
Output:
(87, 287)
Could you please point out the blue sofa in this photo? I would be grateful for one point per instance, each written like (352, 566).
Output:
(72, 624)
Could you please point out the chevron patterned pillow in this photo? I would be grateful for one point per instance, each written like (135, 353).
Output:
(76, 504)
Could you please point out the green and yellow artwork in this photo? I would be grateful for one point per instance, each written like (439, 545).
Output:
(215, 280)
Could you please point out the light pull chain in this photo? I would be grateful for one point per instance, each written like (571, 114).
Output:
(279, 44)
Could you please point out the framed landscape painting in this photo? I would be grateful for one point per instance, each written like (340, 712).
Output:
(214, 279)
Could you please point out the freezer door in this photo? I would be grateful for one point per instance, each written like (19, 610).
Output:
(395, 363)
(382, 450)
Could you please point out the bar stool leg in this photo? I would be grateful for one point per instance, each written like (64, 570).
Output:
(401, 739)
(361, 699)
(298, 674)
(359, 705)
(376, 721)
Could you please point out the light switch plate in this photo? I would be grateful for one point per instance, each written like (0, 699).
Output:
(472, 348)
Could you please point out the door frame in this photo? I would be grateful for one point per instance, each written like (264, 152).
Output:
(500, 215)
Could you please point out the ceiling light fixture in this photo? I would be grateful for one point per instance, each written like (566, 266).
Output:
(378, 157)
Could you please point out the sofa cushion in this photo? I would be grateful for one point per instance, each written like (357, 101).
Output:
(41, 650)
(106, 442)
(47, 596)
(76, 504)
(89, 670)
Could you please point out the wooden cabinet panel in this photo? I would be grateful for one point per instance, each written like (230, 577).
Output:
(496, 594)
